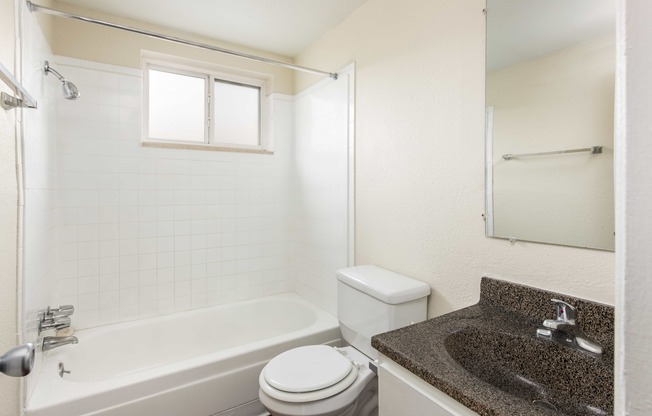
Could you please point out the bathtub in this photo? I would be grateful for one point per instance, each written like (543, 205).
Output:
(197, 363)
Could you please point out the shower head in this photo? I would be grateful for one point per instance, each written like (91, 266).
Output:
(70, 91)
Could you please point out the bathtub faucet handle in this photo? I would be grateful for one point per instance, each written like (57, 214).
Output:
(64, 310)
(55, 318)
(57, 322)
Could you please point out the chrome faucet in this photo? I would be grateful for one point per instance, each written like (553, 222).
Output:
(50, 343)
(65, 310)
(55, 318)
(564, 329)
(56, 322)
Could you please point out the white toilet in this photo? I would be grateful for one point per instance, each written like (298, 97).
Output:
(319, 380)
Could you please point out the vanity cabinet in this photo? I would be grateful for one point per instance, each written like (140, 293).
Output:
(403, 393)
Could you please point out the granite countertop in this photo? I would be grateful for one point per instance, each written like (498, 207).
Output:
(496, 340)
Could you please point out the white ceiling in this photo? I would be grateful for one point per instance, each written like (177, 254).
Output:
(518, 30)
(284, 27)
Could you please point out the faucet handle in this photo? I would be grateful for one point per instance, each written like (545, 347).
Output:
(565, 312)
(63, 310)
(54, 323)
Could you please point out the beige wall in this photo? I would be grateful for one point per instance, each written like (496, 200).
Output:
(420, 155)
(564, 100)
(8, 215)
(46, 22)
(80, 40)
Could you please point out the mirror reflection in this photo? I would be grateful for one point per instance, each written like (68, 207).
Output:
(550, 121)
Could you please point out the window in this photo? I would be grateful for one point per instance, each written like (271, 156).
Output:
(194, 107)
(177, 106)
(236, 113)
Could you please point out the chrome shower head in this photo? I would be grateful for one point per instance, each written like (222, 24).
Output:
(70, 91)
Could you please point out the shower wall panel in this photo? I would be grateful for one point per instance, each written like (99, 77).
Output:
(322, 188)
(36, 159)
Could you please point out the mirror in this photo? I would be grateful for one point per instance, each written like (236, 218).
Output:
(550, 121)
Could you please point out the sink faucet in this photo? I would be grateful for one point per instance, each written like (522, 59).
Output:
(50, 343)
(564, 329)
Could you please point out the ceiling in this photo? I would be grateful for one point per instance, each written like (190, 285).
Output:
(284, 27)
(518, 30)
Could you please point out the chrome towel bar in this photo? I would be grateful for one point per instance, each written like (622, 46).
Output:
(593, 150)
(24, 99)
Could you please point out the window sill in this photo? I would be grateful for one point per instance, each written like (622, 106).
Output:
(190, 146)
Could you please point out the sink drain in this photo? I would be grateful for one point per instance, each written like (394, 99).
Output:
(545, 404)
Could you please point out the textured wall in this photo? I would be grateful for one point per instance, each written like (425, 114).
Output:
(420, 155)
(8, 215)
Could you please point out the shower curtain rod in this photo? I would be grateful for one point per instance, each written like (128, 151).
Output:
(54, 12)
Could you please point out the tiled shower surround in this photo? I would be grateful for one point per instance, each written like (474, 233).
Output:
(146, 231)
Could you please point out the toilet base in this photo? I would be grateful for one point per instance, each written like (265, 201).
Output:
(365, 404)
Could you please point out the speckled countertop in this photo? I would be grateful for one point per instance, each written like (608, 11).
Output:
(487, 356)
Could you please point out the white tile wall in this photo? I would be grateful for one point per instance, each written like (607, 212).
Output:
(322, 217)
(145, 231)
(124, 232)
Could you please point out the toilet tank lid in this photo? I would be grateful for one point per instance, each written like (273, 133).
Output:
(384, 285)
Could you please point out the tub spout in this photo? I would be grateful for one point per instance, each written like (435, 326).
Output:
(55, 342)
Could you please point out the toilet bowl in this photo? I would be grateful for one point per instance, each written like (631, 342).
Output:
(314, 381)
(319, 380)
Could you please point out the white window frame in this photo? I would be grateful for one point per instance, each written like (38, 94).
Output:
(146, 136)
(210, 74)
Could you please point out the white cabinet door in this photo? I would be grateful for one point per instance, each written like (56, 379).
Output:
(401, 393)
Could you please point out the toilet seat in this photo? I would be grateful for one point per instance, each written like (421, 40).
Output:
(307, 374)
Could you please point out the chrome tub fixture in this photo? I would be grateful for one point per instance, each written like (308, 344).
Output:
(55, 318)
(50, 343)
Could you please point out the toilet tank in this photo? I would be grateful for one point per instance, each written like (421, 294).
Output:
(372, 300)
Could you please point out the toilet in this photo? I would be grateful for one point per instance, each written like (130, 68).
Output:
(319, 380)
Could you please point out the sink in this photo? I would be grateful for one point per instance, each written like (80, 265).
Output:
(539, 372)
(488, 358)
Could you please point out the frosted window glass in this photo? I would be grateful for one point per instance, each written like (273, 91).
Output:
(176, 107)
(236, 115)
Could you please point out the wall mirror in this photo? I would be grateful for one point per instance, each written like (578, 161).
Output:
(550, 121)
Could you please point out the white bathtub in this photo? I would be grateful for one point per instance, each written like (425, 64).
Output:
(197, 363)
